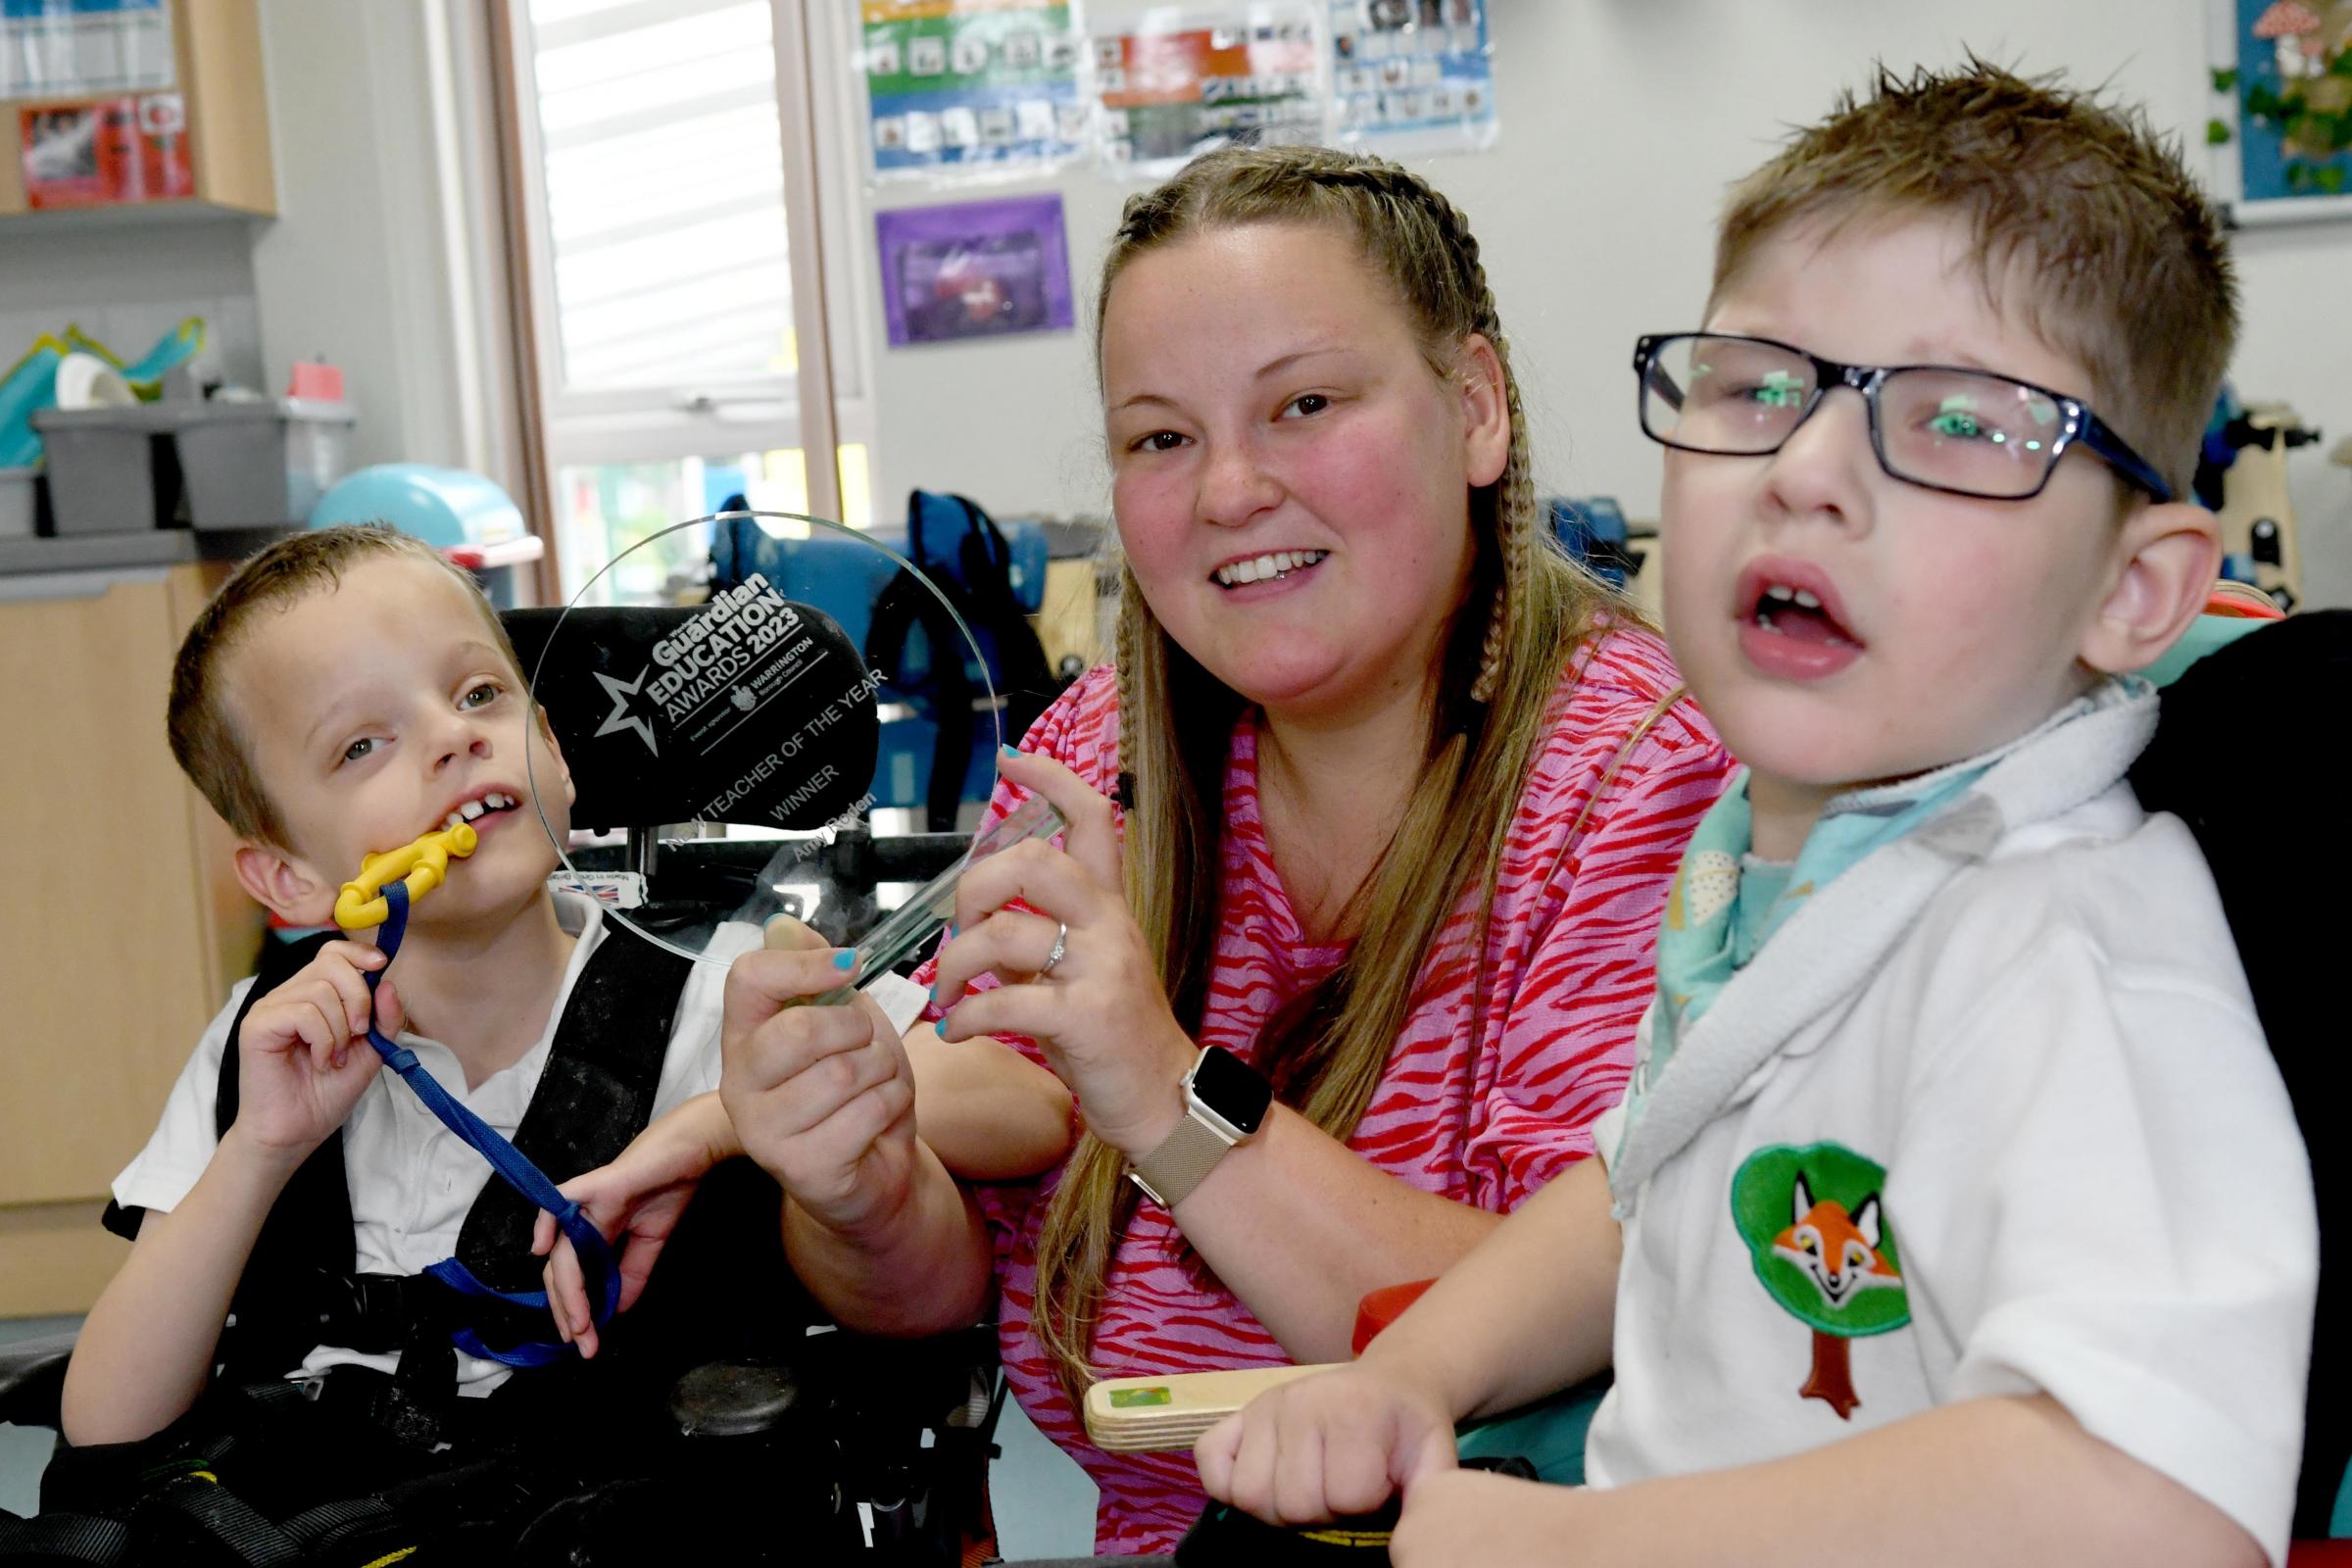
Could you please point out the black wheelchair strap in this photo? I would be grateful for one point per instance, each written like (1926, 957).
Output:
(280, 963)
(417, 1515)
(595, 1093)
(228, 1521)
(594, 1096)
(307, 1231)
(334, 1524)
(65, 1538)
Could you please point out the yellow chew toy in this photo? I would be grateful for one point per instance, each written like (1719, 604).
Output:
(423, 864)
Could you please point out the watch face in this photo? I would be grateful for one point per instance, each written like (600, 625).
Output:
(1233, 1089)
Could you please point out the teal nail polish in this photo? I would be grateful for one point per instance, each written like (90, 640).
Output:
(951, 930)
(845, 958)
(1010, 750)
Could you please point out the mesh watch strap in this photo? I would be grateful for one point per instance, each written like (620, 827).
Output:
(1169, 1173)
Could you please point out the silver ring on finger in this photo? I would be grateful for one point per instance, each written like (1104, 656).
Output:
(1061, 937)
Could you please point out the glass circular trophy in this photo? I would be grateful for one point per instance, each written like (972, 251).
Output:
(817, 732)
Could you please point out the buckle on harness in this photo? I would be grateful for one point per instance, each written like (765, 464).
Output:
(412, 1405)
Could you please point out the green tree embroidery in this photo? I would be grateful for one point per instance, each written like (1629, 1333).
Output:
(1816, 1230)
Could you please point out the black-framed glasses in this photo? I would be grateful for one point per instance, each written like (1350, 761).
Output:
(1942, 427)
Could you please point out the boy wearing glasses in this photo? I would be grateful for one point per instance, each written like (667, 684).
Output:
(1956, 1213)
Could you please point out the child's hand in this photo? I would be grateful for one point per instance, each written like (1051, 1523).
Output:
(636, 1201)
(822, 1098)
(1336, 1443)
(303, 1056)
(1454, 1516)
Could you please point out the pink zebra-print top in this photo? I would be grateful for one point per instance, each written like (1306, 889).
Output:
(1489, 1093)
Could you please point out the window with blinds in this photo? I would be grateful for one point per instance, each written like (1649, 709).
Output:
(658, 223)
(663, 192)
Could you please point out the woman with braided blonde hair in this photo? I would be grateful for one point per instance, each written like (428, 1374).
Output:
(1401, 795)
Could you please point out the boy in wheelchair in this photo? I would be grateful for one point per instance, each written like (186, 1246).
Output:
(1956, 1211)
(273, 1330)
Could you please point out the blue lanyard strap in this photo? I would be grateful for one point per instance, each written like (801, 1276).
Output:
(514, 1167)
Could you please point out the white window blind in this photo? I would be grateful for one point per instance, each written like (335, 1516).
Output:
(659, 140)
(666, 229)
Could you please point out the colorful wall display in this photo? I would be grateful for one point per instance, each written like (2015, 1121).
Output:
(955, 87)
(1174, 85)
(1413, 75)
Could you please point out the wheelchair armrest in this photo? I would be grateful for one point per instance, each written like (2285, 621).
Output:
(32, 1377)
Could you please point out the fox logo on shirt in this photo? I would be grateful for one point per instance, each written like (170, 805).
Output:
(1841, 1250)
(1817, 1232)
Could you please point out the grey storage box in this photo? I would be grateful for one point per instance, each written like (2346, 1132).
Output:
(113, 469)
(262, 465)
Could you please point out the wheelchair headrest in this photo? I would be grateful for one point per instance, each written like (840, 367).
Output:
(760, 713)
(2242, 756)
(2261, 697)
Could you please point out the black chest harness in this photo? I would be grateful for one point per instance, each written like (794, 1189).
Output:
(301, 1288)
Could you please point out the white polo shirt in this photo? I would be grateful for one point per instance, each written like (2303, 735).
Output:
(412, 1180)
(2007, 1074)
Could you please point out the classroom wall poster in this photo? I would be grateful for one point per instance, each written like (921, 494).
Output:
(958, 88)
(973, 270)
(82, 48)
(1413, 75)
(2282, 126)
(1173, 86)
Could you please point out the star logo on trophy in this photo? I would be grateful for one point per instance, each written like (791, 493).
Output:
(620, 718)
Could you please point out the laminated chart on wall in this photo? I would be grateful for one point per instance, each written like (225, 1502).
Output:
(81, 48)
(1172, 85)
(1413, 75)
(959, 88)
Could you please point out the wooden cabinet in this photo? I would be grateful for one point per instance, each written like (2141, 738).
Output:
(120, 924)
(217, 48)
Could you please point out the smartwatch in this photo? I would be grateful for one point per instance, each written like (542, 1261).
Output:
(1225, 1100)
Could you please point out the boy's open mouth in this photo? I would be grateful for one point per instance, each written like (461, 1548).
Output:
(1791, 626)
(1798, 612)
(489, 802)
(1793, 601)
